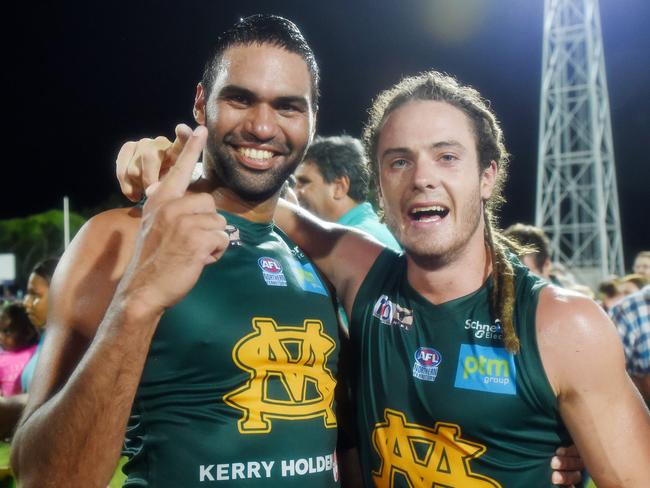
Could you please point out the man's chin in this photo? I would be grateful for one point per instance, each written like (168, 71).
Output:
(255, 195)
(427, 255)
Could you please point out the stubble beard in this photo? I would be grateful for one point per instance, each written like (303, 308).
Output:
(433, 255)
(248, 184)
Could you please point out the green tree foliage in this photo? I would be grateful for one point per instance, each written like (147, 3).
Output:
(34, 238)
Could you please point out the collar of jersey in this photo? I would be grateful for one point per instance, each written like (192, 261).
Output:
(248, 230)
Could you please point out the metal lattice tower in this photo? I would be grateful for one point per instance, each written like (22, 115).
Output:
(577, 199)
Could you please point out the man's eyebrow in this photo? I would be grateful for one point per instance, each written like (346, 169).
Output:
(448, 144)
(436, 145)
(292, 100)
(395, 150)
(231, 90)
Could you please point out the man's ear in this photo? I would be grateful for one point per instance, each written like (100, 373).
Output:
(341, 187)
(199, 105)
(488, 180)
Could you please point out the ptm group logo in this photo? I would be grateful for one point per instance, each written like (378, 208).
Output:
(487, 369)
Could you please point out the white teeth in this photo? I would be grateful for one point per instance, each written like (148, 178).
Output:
(433, 208)
(251, 153)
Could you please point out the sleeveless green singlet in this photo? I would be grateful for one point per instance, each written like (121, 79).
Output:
(440, 403)
(238, 386)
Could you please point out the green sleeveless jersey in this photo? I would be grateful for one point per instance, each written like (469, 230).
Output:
(238, 386)
(440, 402)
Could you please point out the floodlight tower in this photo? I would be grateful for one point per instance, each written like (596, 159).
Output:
(577, 199)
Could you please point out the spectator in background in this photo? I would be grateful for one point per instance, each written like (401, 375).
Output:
(332, 183)
(610, 293)
(632, 283)
(632, 318)
(534, 239)
(11, 407)
(18, 338)
(35, 301)
(538, 260)
(642, 264)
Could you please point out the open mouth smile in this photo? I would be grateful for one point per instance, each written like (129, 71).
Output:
(430, 213)
(254, 158)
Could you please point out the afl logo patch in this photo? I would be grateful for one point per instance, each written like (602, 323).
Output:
(270, 265)
(272, 271)
(427, 360)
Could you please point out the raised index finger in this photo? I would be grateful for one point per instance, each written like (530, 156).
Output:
(176, 181)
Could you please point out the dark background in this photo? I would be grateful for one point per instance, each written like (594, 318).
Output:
(81, 77)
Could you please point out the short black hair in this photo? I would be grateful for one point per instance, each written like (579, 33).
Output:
(263, 29)
(338, 156)
(45, 269)
(25, 333)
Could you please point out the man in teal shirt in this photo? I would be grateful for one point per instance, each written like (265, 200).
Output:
(332, 183)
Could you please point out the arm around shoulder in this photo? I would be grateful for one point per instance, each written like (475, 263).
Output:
(342, 253)
(583, 359)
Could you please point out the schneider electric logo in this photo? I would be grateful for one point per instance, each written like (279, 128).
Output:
(485, 331)
(487, 369)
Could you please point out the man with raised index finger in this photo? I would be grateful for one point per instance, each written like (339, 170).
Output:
(208, 337)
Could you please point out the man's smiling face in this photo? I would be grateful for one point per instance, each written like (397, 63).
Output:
(259, 118)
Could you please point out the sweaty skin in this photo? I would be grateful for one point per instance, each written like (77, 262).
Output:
(328, 245)
(424, 154)
(92, 309)
(127, 266)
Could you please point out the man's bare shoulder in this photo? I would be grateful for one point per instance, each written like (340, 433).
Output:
(562, 311)
(573, 329)
(91, 267)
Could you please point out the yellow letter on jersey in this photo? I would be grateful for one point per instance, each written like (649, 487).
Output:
(267, 355)
(425, 457)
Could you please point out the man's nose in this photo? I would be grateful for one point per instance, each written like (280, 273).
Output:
(425, 175)
(261, 122)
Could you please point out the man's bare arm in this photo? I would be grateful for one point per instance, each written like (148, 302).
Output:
(101, 324)
(11, 408)
(583, 358)
(81, 290)
(343, 254)
(643, 384)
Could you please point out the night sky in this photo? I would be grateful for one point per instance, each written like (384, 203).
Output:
(82, 77)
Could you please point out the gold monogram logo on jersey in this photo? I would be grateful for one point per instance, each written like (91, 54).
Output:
(421, 456)
(288, 375)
